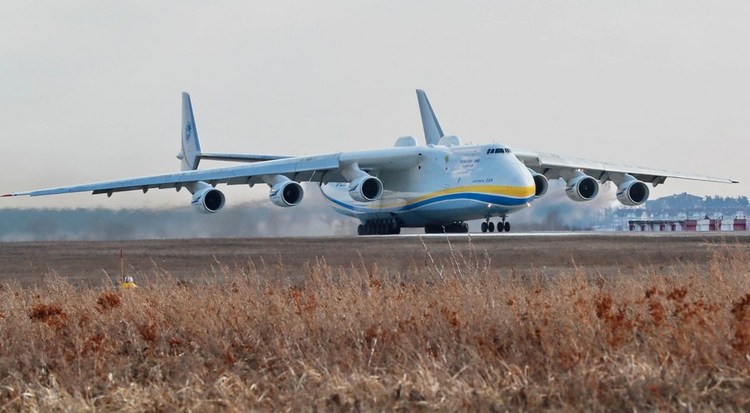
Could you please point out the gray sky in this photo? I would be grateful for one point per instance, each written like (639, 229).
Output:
(90, 90)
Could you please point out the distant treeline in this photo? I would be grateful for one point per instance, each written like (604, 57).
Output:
(104, 224)
(693, 205)
(690, 203)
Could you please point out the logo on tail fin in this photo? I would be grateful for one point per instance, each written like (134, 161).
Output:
(188, 132)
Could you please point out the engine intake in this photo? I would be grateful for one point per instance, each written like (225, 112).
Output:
(208, 200)
(286, 194)
(541, 183)
(366, 189)
(582, 188)
(632, 192)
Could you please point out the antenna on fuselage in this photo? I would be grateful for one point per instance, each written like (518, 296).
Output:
(432, 130)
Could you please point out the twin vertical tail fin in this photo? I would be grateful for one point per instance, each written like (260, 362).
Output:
(432, 130)
(191, 147)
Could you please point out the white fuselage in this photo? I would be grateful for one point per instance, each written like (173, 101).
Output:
(447, 184)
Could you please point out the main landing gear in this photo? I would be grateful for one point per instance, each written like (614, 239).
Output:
(452, 228)
(379, 227)
(490, 226)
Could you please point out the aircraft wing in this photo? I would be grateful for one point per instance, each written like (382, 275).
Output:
(552, 166)
(319, 168)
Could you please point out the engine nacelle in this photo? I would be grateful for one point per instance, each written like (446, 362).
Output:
(208, 200)
(632, 192)
(365, 189)
(286, 194)
(541, 183)
(582, 188)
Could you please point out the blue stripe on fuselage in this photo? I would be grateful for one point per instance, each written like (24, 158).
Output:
(471, 196)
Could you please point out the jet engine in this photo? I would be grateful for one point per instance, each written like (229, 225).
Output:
(286, 194)
(208, 200)
(366, 188)
(632, 192)
(582, 188)
(541, 183)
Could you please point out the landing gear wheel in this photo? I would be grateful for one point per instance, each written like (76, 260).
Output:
(500, 227)
(491, 227)
(507, 227)
(361, 230)
(484, 227)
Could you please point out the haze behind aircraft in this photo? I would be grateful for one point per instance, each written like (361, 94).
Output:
(438, 186)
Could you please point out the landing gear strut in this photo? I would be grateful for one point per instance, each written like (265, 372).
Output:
(490, 226)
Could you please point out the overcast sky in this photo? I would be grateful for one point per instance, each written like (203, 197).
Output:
(90, 90)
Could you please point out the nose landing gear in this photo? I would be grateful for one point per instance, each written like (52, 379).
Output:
(490, 226)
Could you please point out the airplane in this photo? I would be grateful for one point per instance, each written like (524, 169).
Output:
(438, 186)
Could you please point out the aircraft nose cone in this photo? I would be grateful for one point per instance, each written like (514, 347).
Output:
(521, 179)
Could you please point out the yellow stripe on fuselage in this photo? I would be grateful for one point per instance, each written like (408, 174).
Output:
(506, 190)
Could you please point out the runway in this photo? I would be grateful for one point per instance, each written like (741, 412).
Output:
(604, 253)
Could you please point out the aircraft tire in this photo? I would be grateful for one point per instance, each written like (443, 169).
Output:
(507, 227)
(484, 227)
(361, 230)
(491, 226)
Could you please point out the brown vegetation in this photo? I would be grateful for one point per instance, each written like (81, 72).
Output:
(459, 333)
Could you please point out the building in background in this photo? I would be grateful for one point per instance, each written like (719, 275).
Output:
(682, 212)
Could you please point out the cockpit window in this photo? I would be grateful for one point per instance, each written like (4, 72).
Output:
(497, 150)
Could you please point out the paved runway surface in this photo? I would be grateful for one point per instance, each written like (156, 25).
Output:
(548, 253)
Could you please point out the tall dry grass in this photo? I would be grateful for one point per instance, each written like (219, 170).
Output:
(457, 333)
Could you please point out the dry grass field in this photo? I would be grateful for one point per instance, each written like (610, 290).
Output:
(449, 324)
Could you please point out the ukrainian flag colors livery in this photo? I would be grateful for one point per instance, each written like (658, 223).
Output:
(438, 186)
